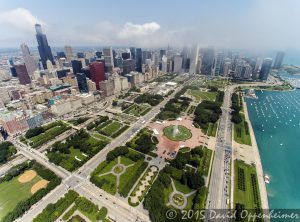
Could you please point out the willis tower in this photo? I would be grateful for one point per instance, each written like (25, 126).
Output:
(44, 48)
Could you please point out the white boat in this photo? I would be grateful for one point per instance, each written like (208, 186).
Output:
(267, 179)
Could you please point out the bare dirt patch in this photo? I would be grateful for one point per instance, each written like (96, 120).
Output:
(27, 176)
(39, 185)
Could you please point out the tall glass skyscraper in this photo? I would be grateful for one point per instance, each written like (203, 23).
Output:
(265, 69)
(278, 60)
(43, 47)
(138, 59)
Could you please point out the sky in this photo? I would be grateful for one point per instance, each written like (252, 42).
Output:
(242, 24)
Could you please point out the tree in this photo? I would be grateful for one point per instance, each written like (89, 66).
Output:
(34, 132)
(195, 180)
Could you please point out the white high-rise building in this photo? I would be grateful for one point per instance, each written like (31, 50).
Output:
(177, 63)
(226, 68)
(164, 64)
(194, 59)
(30, 63)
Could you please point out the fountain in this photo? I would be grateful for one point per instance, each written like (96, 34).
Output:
(175, 130)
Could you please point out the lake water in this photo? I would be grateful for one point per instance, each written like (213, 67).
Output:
(275, 118)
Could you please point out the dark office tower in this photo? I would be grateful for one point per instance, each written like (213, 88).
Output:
(86, 71)
(22, 74)
(138, 59)
(62, 73)
(162, 52)
(98, 54)
(146, 55)
(76, 66)
(208, 61)
(82, 84)
(132, 52)
(125, 55)
(278, 60)
(13, 71)
(265, 69)
(80, 55)
(128, 66)
(61, 55)
(44, 48)
(114, 57)
(97, 73)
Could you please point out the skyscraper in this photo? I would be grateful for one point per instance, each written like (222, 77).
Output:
(208, 61)
(43, 47)
(69, 52)
(278, 60)
(177, 64)
(125, 55)
(82, 83)
(108, 56)
(30, 63)
(219, 63)
(265, 69)
(194, 59)
(132, 52)
(76, 66)
(164, 64)
(138, 59)
(97, 71)
(22, 74)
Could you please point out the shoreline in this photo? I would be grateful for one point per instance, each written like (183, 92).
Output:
(258, 164)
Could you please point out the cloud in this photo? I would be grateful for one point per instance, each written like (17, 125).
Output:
(20, 19)
(136, 30)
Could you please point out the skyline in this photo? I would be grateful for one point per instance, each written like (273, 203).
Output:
(231, 25)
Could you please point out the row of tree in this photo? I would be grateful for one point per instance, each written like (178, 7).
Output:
(236, 106)
(151, 99)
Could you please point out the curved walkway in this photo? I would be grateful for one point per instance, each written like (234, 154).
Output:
(112, 171)
(176, 192)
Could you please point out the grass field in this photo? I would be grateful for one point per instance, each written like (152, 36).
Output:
(181, 187)
(182, 134)
(12, 192)
(108, 166)
(101, 137)
(110, 184)
(112, 128)
(241, 132)
(137, 110)
(205, 161)
(246, 190)
(199, 95)
(212, 129)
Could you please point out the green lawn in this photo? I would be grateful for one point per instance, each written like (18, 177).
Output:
(200, 95)
(183, 133)
(246, 189)
(212, 129)
(12, 192)
(101, 137)
(110, 184)
(111, 128)
(108, 166)
(137, 110)
(132, 172)
(205, 161)
(69, 159)
(181, 187)
(241, 132)
(126, 161)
